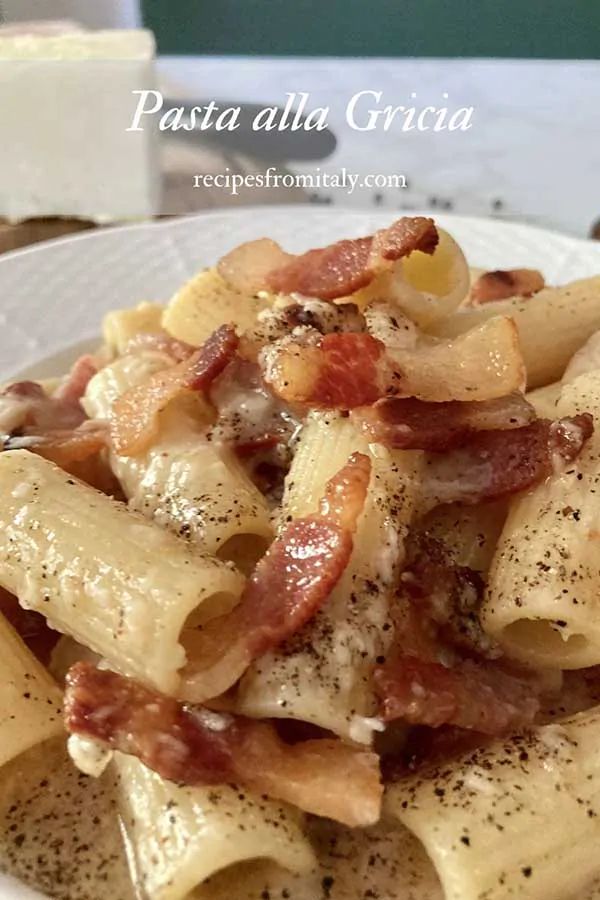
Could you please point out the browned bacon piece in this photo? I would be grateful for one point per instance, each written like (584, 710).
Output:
(32, 411)
(347, 370)
(329, 272)
(411, 424)
(162, 342)
(196, 746)
(504, 283)
(54, 427)
(289, 584)
(445, 599)
(73, 388)
(346, 266)
(340, 372)
(67, 447)
(134, 417)
(443, 670)
(472, 695)
(496, 464)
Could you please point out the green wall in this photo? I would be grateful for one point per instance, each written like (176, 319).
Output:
(553, 29)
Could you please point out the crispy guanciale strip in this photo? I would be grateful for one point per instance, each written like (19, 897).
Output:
(26, 408)
(504, 283)
(196, 746)
(289, 584)
(329, 272)
(162, 342)
(443, 669)
(73, 388)
(134, 416)
(56, 426)
(472, 695)
(66, 447)
(439, 601)
(346, 266)
(411, 424)
(343, 371)
(496, 464)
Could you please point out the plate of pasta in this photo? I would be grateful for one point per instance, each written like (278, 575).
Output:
(298, 563)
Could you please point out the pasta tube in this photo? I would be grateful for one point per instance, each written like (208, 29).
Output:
(205, 303)
(109, 578)
(121, 325)
(322, 675)
(470, 533)
(543, 602)
(179, 836)
(552, 325)
(426, 287)
(30, 701)
(59, 831)
(384, 862)
(517, 818)
(197, 489)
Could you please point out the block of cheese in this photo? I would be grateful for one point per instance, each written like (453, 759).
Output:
(66, 101)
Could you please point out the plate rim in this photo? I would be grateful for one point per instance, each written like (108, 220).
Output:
(171, 222)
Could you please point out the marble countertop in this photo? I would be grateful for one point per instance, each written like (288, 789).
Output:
(531, 153)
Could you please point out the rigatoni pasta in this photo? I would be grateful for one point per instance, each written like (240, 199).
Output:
(518, 818)
(542, 599)
(206, 302)
(195, 488)
(178, 836)
(552, 325)
(122, 325)
(30, 701)
(106, 576)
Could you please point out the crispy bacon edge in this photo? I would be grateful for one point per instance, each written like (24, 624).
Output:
(502, 284)
(411, 424)
(497, 464)
(196, 746)
(342, 371)
(346, 266)
(73, 388)
(289, 584)
(471, 695)
(329, 272)
(134, 416)
(56, 426)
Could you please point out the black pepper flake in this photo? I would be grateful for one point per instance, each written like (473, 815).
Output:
(327, 883)
(527, 870)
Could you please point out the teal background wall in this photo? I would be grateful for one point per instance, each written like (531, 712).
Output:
(552, 29)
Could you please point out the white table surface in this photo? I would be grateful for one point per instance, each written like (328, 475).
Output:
(532, 153)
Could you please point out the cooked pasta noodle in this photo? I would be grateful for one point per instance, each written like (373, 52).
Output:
(195, 488)
(518, 818)
(543, 587)
(552, 325)
(206, 302)
(104, 575)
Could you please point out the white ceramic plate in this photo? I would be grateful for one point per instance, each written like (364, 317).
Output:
(53, 295)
